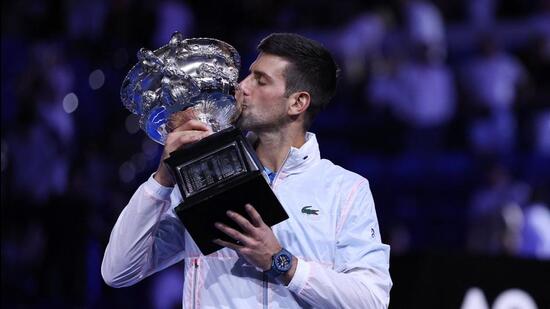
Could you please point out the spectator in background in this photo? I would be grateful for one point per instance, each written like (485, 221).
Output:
(542, 132)
(424, 25)
(418, 89)
(359, 41)
(422, 96)
(381, 92)
(536, 228)
(495, 214)
(40, 147)
(536, 113)
(491, 82)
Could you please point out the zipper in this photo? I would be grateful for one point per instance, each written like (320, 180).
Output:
(280, 169)
(264, 276)
(195, 278)
(266, 283)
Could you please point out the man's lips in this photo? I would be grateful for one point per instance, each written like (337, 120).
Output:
(240, 106)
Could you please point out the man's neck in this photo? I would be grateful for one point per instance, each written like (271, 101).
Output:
(272, 147)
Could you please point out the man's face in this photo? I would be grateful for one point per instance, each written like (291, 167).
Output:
(262, 95)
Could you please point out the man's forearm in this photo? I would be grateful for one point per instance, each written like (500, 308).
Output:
(126, 257)
(323, 287)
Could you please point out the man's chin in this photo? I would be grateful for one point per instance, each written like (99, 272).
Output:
(239, 123)
(243, 126)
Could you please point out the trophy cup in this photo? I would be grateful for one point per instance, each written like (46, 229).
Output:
(196, 78)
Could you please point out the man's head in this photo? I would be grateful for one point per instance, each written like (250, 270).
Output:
(298, 70)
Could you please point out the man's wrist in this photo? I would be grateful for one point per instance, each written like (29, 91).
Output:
(163, 181)
(281, 264)
(287, 277)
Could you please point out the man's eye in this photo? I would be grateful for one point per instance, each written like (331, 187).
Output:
(260, 81)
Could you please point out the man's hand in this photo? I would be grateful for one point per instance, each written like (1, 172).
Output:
(189, 132)
(257, 243)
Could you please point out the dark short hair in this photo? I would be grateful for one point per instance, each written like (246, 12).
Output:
(312, 68)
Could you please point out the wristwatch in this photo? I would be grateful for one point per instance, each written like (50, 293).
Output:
(281, 262)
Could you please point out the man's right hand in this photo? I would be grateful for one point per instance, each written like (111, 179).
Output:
(189, 132)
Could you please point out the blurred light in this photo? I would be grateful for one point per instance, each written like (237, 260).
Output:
(512, 215)
(70, 103)
(150, 148)
(474, 298)
(127, 172)
(96, 79)
(132, 124)
(514, 298)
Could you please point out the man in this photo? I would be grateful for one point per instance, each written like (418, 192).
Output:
(332, 248)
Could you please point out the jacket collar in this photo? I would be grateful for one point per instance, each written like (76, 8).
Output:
(299, 159)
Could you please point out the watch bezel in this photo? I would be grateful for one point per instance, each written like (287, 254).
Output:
(277, 270)
(282, 261)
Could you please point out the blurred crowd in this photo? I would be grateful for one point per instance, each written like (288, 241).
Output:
(443, 105)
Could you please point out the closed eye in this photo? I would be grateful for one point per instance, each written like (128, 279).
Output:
(260, 80)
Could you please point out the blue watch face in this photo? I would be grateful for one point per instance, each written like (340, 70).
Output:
(283, 262)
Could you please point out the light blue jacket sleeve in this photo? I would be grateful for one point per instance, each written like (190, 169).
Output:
(146, 238)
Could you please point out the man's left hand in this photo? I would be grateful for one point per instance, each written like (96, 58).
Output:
(257, 243)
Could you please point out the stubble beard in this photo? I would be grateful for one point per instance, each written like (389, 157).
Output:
(250, 122)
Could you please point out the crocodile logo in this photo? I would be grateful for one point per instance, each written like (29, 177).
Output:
(308, 211)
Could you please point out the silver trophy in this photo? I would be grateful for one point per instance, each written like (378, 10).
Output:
(197, 75)
(196, 78)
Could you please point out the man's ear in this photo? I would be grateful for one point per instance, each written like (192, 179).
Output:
(299, 103)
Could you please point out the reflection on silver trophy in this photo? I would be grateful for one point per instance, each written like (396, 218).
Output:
(196, 79)
(185, 79)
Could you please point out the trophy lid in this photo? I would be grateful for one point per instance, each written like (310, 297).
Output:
(195, 72)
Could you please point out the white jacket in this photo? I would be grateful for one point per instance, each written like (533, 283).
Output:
(341, 260)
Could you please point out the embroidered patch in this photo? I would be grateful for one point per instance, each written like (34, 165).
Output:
(308, 211)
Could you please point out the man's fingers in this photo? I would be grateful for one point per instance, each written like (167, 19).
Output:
(233, 233)
(241, 221)
(226, 244)
(255, 217)
(175, 140)
(192, 124)
(187, 137)
(184, 120)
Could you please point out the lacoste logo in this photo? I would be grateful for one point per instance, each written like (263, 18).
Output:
(306, 210)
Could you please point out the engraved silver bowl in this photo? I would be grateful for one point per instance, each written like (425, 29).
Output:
(186, 78)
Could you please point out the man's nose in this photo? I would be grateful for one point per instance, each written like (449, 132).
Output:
(243, 85)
